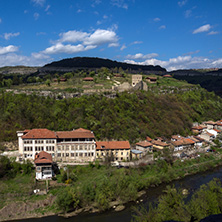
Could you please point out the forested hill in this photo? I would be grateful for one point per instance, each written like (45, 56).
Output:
(129, 116)
(93, 63)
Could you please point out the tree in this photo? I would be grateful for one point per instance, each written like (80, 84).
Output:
(47, 82)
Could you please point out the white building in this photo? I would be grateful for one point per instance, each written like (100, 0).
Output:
(69, 146)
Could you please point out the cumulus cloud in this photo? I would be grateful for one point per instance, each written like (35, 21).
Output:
(204, 28)
(140, 56)
(182, 62)
(8, 49)
(7, 36)
(83, 41)
(13, 59)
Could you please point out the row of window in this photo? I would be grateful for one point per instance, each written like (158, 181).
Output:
(76, 147)
(104, 154)
(75, 154)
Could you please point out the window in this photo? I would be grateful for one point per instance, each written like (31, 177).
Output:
(85, 154)
(121, 153)
(80, 154)
(93, 154)
(59, 154)
(72, 154)
(85, 147)
(80, 147)
(67, 154)
(67, 147)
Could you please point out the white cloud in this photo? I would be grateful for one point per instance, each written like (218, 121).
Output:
(7, 36)
(84, 41)
(123, 47)
(100, 37)
(136, 42)
(182, 62)
(162, 27)
(119, 4)
(8, 49)
(47, 7)
(72, 36)
(13, 59)
(36, 15)
(156, 19)
(39, 2)
(204, 28)
(182, 3)
(140, 56)
(188, 13)
(213, 33)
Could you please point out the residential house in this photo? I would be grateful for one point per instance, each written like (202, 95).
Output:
(210, 124)
(151, 79)
(115, 150)
(198, 141)
(148, 139)
(198, 129)
(207, 136)
(43, 165)
(136, 154)
(158, 145)
(144, 146)
(181, 143)
(88, 79)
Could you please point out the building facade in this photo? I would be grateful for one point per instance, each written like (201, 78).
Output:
(66, 146)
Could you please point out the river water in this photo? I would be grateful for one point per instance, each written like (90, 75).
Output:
(191, 183)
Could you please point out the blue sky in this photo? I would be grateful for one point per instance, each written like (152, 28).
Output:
(175, 34)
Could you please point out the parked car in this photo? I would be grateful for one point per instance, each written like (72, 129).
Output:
(210, 150)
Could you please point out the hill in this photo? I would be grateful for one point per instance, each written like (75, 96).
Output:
(71, 64)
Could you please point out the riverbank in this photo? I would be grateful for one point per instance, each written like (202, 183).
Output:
(94, 188)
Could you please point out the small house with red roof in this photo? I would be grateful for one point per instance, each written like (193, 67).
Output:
(43, 163)
(144, 146)
(88, 79)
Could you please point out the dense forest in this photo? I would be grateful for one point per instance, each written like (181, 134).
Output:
(91, 62)
(130, 116)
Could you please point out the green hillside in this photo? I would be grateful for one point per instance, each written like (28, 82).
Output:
(128, 116)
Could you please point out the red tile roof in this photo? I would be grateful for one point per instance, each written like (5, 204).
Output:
(39, 134)
(148, 139)
(43, 157)
(88, 79)
(78, 133)
(112, 145)
(169, 76)
(210, 123)
(199, 127)
(144, 143)
(159, 143)
(218, 131)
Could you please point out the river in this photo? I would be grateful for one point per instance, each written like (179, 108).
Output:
(191, 183)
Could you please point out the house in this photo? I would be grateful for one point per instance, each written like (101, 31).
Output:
(136, 79)
(136, 154)
(148, 139)
(181, 143)
(158, 145)
(198, 129)
(218, 125)
(151, 79)
(207, 136)
(43, 165)
(116, 150)
(198, 141)
(66, 146)
(88, 79)
(167, 76)
(144, 146)
(210, 124)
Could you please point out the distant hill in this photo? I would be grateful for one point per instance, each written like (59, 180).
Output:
(72, 64)
(22, 70)
(208, 79)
